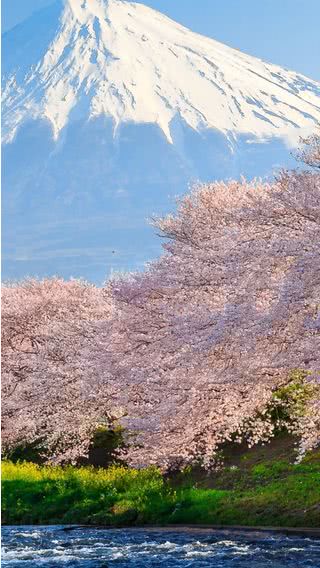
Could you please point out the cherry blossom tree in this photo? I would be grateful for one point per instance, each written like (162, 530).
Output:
(208, 332)
(310, 152)
(189, 353)
(50, 390)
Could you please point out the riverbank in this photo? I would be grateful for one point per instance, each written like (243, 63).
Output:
(270, 493)
(223, 530)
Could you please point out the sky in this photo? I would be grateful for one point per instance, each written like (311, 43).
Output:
(284, 32)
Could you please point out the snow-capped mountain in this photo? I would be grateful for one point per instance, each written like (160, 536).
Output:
(110, 108)
(130, 63)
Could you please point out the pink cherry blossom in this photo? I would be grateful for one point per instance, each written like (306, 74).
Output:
(187, 354)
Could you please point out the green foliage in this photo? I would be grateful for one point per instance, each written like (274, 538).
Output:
(290, 400)
(105, 445)
(107, 438)
(268, 493)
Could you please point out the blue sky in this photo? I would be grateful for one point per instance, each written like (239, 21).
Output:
(285, 32)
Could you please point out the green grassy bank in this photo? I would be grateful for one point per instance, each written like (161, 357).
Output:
(268, 492)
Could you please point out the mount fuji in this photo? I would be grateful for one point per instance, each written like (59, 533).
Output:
(110, 110)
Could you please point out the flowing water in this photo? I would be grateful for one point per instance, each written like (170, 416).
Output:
(53, 546)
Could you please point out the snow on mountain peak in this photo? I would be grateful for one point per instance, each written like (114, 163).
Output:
(133, 64)
(83, 10)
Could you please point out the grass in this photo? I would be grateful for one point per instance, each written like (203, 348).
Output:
(255, 492)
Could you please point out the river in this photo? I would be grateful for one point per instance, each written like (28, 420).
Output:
(53, 546)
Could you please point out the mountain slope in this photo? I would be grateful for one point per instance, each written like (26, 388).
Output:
(109, 110)
(128, 62)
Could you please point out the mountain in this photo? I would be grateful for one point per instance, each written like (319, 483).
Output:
(110, 110)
